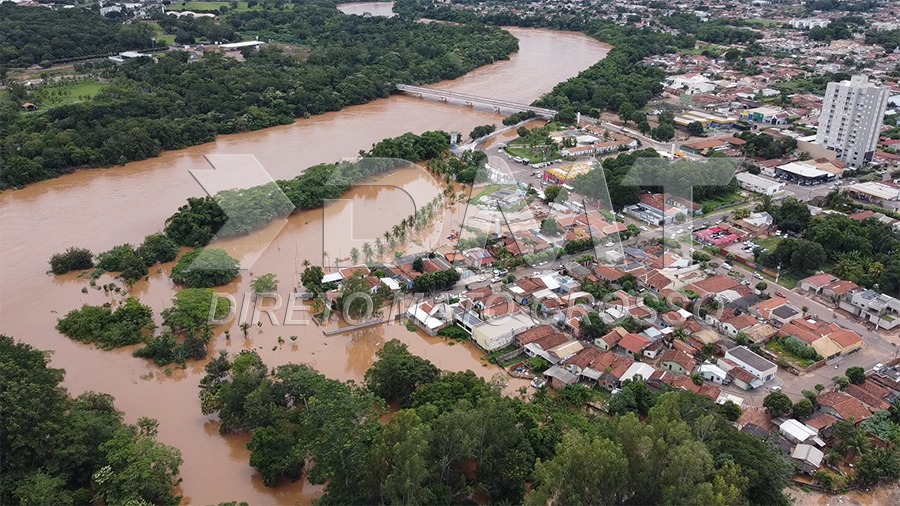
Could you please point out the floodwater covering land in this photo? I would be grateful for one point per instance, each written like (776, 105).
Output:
(98, 209)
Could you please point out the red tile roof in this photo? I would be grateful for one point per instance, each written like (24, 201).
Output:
(841, 286)
(714, 284)
(872, 401)
(845, 338)
(634, 343)
(681, 358)
(613, 337)
(741, 375)
(862, 215)
(741, 322)
(608, 273)
(584, 357)
(845, 406)
(821, 421)
(819, 280)
(532, 335)
(551, 340)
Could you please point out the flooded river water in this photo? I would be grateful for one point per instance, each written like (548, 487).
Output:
(100, 208)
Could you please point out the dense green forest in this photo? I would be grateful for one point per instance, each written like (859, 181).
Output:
(866, 252)
(175, 102)
(30, 36)
(64, 451)
(458, 437)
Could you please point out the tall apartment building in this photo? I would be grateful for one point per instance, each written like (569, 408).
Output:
(852, 114)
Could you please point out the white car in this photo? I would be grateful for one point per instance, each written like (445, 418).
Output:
(644, 228)
(536, 273)
(609, 245)
(480, 279)
(878, 367)
(538, 383)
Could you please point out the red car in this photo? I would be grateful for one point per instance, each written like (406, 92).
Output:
(780, 294)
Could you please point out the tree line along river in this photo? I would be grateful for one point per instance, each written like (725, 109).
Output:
(100, 208)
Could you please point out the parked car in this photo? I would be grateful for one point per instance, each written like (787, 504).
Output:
(538, 383)
(644, 228)
(757, 275)
(780, 294)
(878, 367)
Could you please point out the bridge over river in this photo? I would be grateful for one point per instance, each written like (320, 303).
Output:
(471, 100)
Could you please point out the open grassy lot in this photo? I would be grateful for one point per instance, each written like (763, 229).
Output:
(720, 201)
(69, 93)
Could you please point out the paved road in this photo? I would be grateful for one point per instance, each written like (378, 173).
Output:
(878, 349)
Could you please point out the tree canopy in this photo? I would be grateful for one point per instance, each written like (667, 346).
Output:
(456, 435)
(205, 267)
(60, 450)
(171, 102)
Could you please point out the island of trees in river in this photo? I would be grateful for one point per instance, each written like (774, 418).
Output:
(171, 102)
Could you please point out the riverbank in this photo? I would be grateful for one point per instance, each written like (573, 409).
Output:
(102, 208)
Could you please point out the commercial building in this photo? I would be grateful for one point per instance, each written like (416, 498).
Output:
(851, 118)
(803, 173)
(759, 367)
(568, 173)
(759, 184)
(499, 332)
(767, 115)
(705, 119)
(874, 191)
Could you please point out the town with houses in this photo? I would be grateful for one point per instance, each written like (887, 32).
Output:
(637, 307)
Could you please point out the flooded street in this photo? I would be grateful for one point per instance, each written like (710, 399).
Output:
(101, 208)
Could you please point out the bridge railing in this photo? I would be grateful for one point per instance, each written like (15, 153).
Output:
(473, 99)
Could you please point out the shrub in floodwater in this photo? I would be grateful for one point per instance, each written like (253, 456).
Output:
(72, 259)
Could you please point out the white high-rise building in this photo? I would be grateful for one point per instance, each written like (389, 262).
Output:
(852, 114)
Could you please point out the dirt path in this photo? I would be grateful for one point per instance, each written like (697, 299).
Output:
(873, 497)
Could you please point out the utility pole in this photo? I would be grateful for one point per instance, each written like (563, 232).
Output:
(778, 274)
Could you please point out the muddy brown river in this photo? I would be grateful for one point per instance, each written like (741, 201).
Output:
(101, 208)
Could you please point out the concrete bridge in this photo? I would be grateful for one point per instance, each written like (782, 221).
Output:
(471, 100)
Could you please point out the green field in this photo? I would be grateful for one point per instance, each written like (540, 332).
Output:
(769, 242)
(61, 94)
(721, 201)
(532, 157)
(764, 23)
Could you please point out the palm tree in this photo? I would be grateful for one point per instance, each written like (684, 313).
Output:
(367, 251)
(738, 214)
(354, 255)
(766, 204)
(876, 269)
(387, 235)
(324, 256)
(245, 327)
(379, 246)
